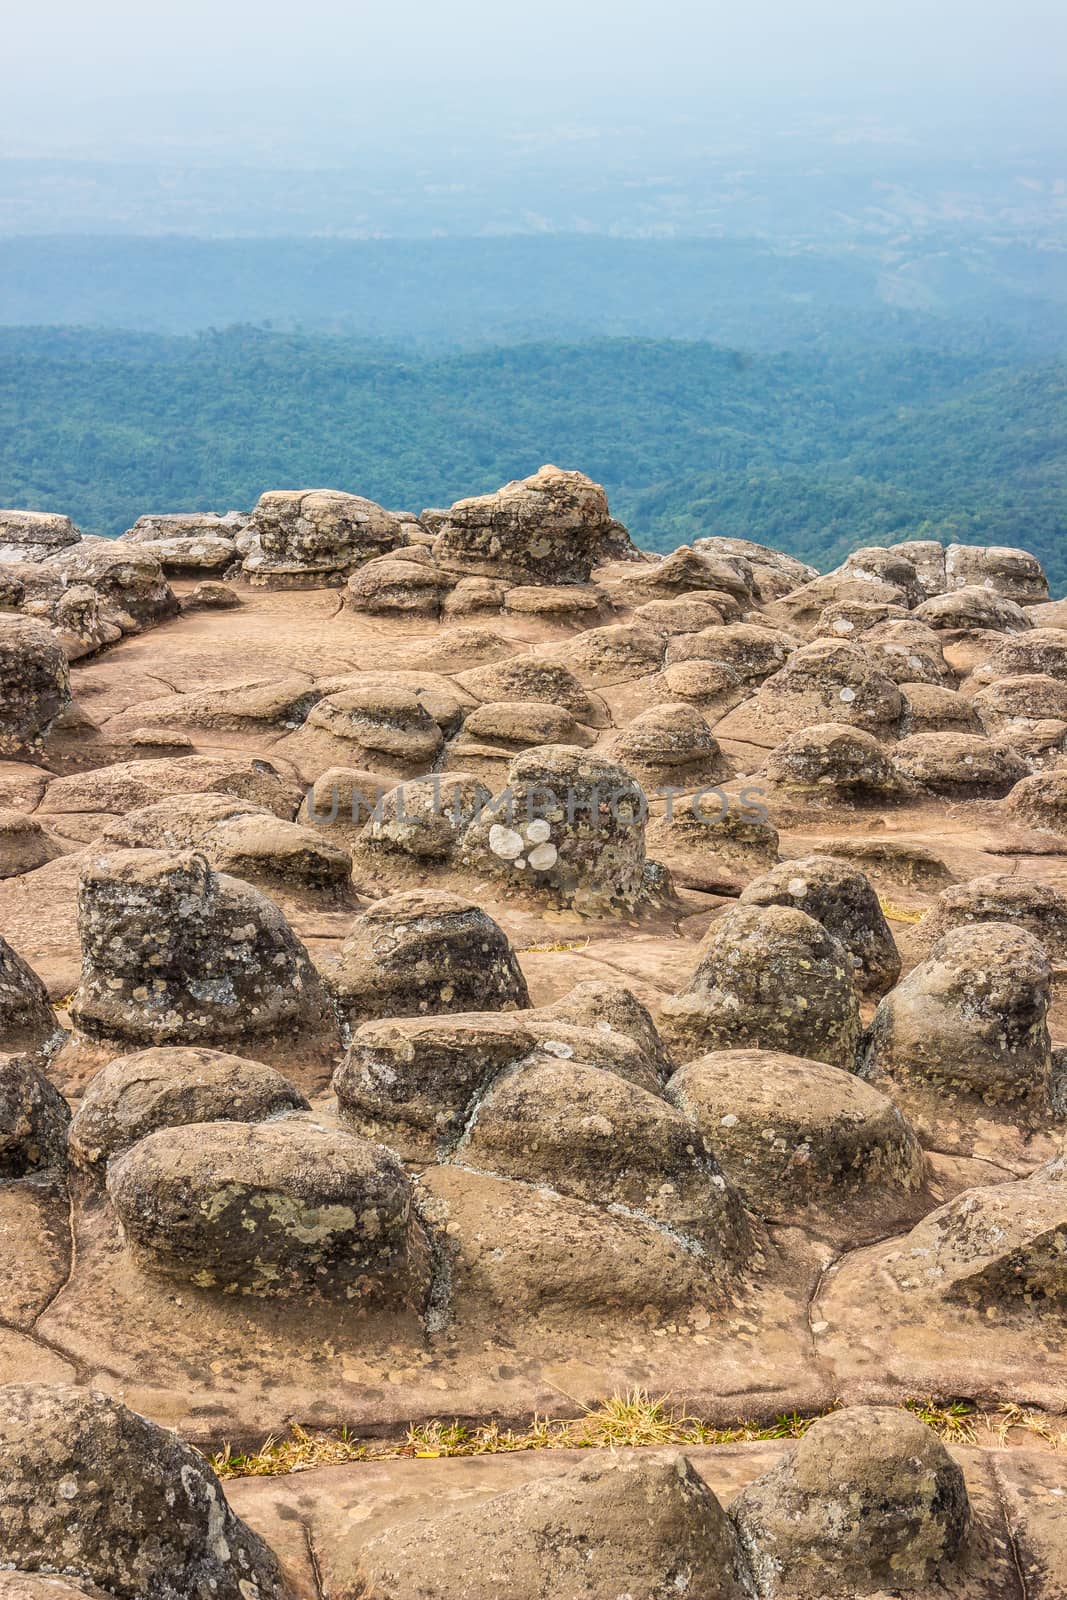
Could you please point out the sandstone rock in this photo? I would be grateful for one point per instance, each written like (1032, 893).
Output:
(128, 581)
(1042, 651)
(281, 1208)
(908, 652)
(832, 762)
(551, 528)
(34, 1119)
(712, 686)
(713, 842)
(571, 823)
(175, 953)
(25, 1586)
(792, 1134)
(670, 746)
(531, 677)
(767, 978)
(179, 557)
(959, 765)
(308, 536)
(24, 845)
(424, 818)
(381, 726)
(684, 570)
(398, 584)
(187, 525)
(1013, 573)
(928, 559)
(971, 1018)
(83, 623)
(342, 800)
(1041, 800)
(869, 1501)
(618, 653)
(931, 708)
(576, 603)
(138, 1094)
(973, 608)
(687, 613)
(884, 566)
(840, 897)
(612, 1008)
(211, 597)
(422, 952)
(801, 609)
(34, 535)
(853, 619)
(27, 1021)
(1026, 903)
(751, 651)
(1010, 707)
(890, 860)
(34, 685)
(774, 572)
(130, 784)
(499, 729)
(472, 596)
(93, 1489)
(636, 1526)
(822, 682)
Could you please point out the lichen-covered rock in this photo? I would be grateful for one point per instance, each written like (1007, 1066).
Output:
(497, 731)
(308, 536)
(34, 1119)
(853, 619)
(281, 1208)
(424, 818)
(1042, 651)
(971, 1018)
(424, 952)
(569, 822)
(1027, 903)
(1041, 800)
(1010, 707)
(176, 953)
(83, 623)
(908, 652)
(34, 535)
(686, 613)
(869, 1501)
(528, 678)
(712, 841)
(34, 685)
(574, 603)
(839, 896)
(128, 581)
(24, 845)
(959, 765)
(27, 1021)
(928, 559)
(670, 746)
(683, 571)
(624, 1526)
(751, 651)
(92, 1489)
(1013, 573)
(611, 1008)
(137, 1094)
(774, 572)
(618, 653)
(882, 565)
(383, 722)
(973, 608)
(211, 596)
(826, 681)
(403, 584)
(794, 1135)
(837, 764)
(552, 527)
(128, 785)
(180, 557)
(932, 708)
(187, 525)
(767, 978)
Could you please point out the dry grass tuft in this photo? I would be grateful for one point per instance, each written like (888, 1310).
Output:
(623, 1422)
(897, 913)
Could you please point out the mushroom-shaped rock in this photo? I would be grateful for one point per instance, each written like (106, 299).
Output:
(908, 652)
(27, 1021)
(1013, 573)
(175, 953)
(24, 845)
(839, 896)
(34, 1119)
(186, 525)
(209, 596)
(822, 682)
(404, 584)
(493, 733)
(933, 708)
(569, 822)
(424, 952)
(1042, 651)
(531, 678)
(308, 536)
(672, 746)
(641, 1526)
(884, 565)
(612, 1008)
(837, 764)
(869, 1501)
(687, 613)
(593, 1135)
(552, 527)
(681, 572)
(973, 608)
(563, 603)
(92, 1489)
(129, 581)
(927, 556)
(278, 1208)
(958, 765)
(713, 841)
(768, 978)
(34, 684)
(166, 1087)
(970, 1018)
(792, 1134)
(618, 653)
(1036, 907)
(382, 725)
(180, 557)
(751, 651)
(1041, 800)
(130, 784)
(34, 535)
(425, 817)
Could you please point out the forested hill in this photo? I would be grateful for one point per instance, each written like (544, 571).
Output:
(815, 452)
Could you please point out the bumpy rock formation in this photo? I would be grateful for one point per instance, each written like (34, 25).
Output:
(751, 652)
(24, 845)
(869, 1501)
(973, 608)
(167, 1087)
(424, 818)
(971, 1018)
(638, 1526)
(128, 785)
(94, 1490)
(1042, 651)
(1041, 800)
(553, 527)
(35, 685)
(34, 1119)
(187, 525)
(34, 535)
(175, 953)
(768, 978)
(1013, 573)
(1036, 907)
(712, 841)
(304, 537)
(129, 581)
(671, 746)
(959, 765)
(27, 1021)
(531, 678)
(834, 764)
(291, 1207)
(840, 897)
(384, 723)
(822, 682)
(422, 952)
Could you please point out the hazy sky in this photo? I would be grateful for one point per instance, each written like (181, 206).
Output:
(327, 79)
